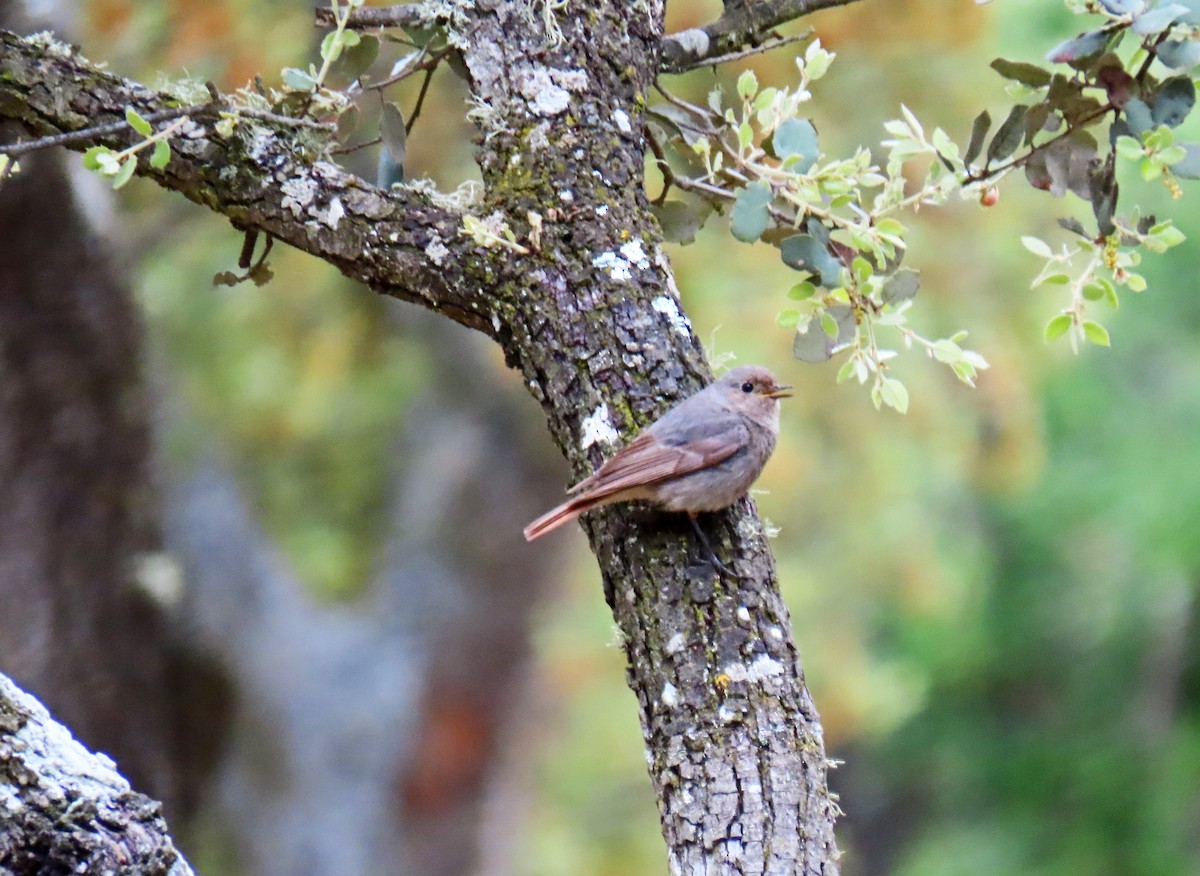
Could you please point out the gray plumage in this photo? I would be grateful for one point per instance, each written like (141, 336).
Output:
(702, 455)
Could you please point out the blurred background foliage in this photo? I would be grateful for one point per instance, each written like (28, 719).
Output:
(994, 596)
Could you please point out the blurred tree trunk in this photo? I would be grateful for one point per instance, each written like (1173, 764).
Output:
(368, 736)
(77, 515)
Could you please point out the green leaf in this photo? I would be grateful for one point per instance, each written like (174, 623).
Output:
(298, 80)
(749, 217)
(1057, 327)
(1168, 234)
(1158, 19)
(747, 84)
(979, 129)
(1075, 50)
(1009, 136)
(138, 123)
(1036, 246)
(829, 325)
(894, 394)
(161, 156)
(394, 132)
(1188, 167)
(680, 220)
(1019, 71)
(796, 137)
(802, 291)
(125, 174)
(1135, 282)
(91, 158)
(947, 351)
(803, 252)
(814, 344)
(1174, 101)
(1096, 333)
(331, 46)
(788, 318)
(901, 286)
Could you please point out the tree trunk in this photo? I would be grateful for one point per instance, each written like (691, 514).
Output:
(582, 301)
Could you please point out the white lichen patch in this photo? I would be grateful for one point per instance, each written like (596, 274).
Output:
(622, 121)
(668, 307)
(761, 668)
(634, 254)
(598, 428)
(538, 138)
(602, 210)
(260, 144)
(298, 193)
(764, 667)
(617, 267)
(743, 614)
(332, 214)
(545, 98)
(675, 644)
(670, 695)
(693, 41)
(436, 251)
(572, 80)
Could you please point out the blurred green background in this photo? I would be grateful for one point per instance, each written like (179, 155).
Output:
(994, 596)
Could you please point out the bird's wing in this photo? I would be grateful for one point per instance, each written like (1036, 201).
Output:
(647, 460)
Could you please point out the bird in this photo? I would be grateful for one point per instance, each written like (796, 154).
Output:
(701, 455)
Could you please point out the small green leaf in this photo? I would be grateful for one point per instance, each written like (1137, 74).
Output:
(894, 394)
(1036, 246)
(747, 84)
(749, 217)
(1019, 71)
(802, 291)
(829, 325)
(138, 123)
(1096, 333)
(901, 286)
(796, 137)
(979, 129)
(298, 80)
(1009, 135)
(1057, 327)
(788, 319)
(91, 158)
(1168, 234)
(161, 156)
(331, 46)
(1135, 282)
(125, 174)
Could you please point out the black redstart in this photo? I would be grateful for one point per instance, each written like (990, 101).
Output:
(702, 455)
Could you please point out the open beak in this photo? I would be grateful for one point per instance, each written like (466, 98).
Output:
(778, 392)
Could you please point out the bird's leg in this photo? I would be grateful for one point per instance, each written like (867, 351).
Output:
(712, 555)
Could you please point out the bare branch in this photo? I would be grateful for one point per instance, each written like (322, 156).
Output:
(400, 242)
(739, 28)
(403, 15)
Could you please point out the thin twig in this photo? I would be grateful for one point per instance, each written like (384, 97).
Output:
(203, 110)
(420, 101)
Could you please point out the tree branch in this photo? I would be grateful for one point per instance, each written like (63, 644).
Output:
(740, 27)
(400, 242)
(67, 810)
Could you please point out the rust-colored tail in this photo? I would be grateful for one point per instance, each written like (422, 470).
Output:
(556, 517)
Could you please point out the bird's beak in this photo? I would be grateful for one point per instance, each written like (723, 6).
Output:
(778, 392)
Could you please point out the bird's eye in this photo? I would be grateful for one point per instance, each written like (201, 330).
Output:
(747, 387)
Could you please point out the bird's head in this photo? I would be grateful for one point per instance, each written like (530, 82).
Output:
(753, 391)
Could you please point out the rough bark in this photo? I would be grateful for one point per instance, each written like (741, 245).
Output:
(591, 317)
(64, 810)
